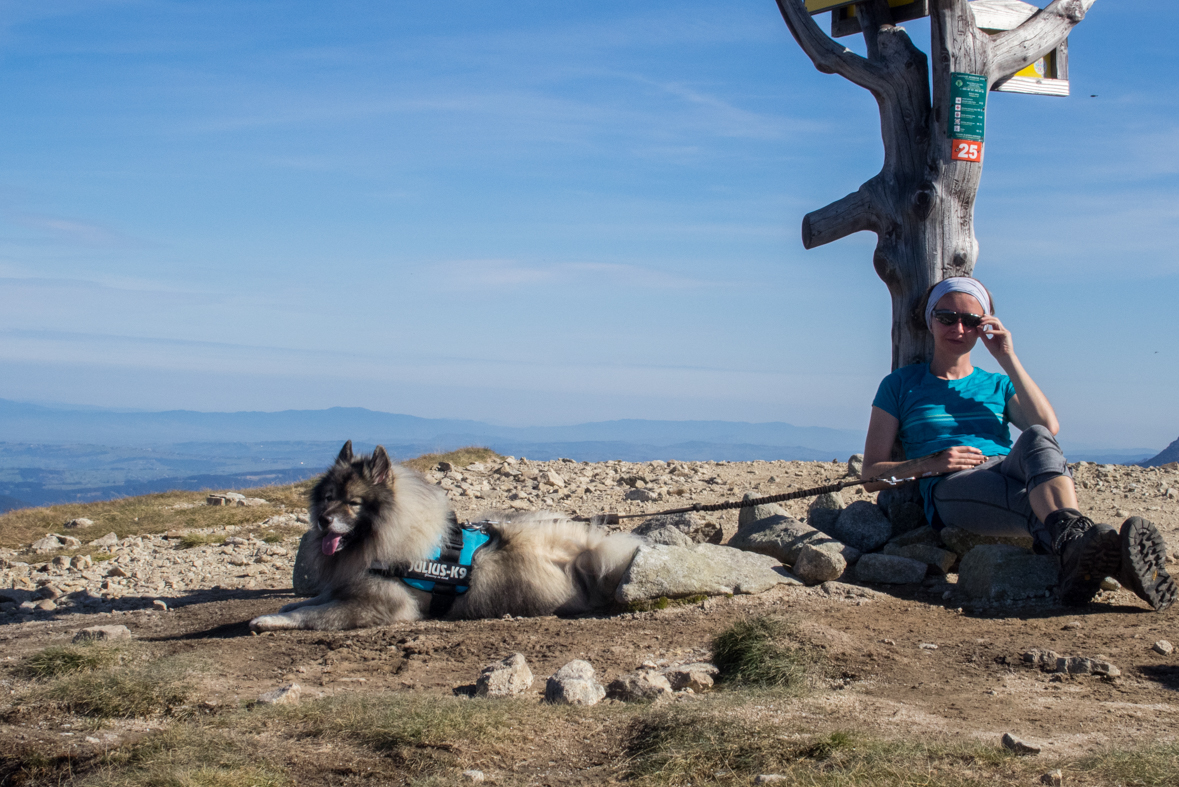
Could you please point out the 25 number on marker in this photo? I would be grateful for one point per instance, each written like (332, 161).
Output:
(966, 150)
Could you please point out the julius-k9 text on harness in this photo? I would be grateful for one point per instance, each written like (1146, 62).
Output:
(446, 574)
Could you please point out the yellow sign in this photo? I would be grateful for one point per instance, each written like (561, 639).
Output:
(819, 6)
(1036, 70)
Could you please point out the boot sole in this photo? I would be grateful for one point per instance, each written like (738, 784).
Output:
(1101, 557)
(1144, 560)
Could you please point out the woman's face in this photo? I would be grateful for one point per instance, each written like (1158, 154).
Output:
(957, 337)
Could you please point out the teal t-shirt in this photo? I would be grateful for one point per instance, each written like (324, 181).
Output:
(936, 414)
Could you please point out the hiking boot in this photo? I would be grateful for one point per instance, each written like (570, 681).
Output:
(1088, 554)
(1144, 559)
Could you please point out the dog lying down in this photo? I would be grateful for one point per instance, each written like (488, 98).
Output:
(389, 551)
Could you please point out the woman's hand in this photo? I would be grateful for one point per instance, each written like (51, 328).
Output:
(996, 338)
(951, 460)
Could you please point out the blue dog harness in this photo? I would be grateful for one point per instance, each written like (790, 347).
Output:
(446, 574)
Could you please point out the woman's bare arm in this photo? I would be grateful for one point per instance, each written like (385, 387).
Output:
(1029, 406)
(882, 433)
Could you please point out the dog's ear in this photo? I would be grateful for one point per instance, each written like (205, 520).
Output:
(345, 457)
(381, 464)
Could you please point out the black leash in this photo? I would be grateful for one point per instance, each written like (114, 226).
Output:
(891, 479)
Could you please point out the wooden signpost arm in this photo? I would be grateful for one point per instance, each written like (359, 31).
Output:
(1040, 34)
(828, 56)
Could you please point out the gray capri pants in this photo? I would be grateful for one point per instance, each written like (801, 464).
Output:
(992, 499)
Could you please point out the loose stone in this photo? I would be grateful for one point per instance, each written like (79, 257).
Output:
(1011, 743)
(102, 634)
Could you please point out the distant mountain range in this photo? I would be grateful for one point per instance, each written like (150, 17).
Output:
(21, 422)
(50, 455)
(54, 455)
(1164, 457)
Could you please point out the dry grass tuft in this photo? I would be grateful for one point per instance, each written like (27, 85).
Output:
(194, 540)
(460, 458)
(422, 734)
(674, 747)
(59, 660)
(663, 602)
(764, 652)
(123, 691)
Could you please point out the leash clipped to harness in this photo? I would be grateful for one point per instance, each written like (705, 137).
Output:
(910, 467)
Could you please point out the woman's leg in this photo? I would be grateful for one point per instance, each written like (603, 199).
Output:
(1031, 491)
(1053, 495)
(1011, 495)
(985, 500)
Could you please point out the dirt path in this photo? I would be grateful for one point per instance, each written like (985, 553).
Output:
(973, 684)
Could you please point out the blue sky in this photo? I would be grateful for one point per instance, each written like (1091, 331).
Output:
(536, 213)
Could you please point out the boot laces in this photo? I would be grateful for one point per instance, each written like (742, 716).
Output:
(1072, 531)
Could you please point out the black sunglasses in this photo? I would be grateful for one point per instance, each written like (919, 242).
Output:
(947, 317)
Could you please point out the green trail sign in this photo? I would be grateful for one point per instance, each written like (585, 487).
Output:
(968, 111)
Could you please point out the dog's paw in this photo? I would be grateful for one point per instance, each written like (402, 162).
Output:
(270, 623)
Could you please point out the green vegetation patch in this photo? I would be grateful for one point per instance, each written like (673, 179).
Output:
(1151, 766)
(190, 755)
(764, 652)
(147, 514)
(460, 458)
(726, 738)
(674, 747)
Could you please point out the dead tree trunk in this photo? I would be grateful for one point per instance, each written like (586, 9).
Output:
(921, 203)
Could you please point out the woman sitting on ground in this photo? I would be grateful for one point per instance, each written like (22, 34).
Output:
(983, 483)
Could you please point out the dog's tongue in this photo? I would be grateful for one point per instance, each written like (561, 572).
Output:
(331, 542)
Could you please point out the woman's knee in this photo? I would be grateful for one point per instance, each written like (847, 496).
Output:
(1038, 433)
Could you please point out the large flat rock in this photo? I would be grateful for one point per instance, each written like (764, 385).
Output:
(962, 541)
(783, 537)
(702, 569)
(1002, 572)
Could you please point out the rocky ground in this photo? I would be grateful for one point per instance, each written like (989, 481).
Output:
(920, 658)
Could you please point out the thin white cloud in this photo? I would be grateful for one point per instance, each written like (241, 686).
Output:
(509, 274)
(76, 232)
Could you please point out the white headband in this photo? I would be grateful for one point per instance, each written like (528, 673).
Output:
(956, 284)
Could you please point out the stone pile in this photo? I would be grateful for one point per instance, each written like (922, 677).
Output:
(1051, 661)
(577, 683)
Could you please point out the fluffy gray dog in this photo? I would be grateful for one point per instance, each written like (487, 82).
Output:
(380, 527)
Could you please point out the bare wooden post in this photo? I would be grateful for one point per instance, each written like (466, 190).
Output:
(921, 203)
